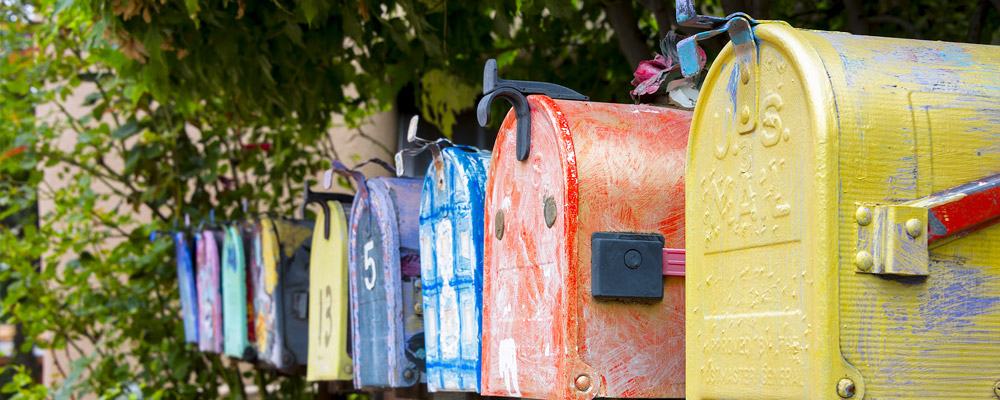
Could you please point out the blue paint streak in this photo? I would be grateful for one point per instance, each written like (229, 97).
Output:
(189, 292)
(456, 201)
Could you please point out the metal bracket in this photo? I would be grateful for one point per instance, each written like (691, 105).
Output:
(892, 240)
(434, 146)
(515, 92)
(626, 265)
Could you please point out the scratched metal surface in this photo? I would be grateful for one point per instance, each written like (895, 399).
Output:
(280, 292)
(384, 267)
(329, 347)
(234, 294)
(609, 167)
(209, 291)
(186, 284)
(451, 267)
(776, 308)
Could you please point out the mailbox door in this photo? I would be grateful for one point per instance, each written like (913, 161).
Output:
(451, 253)
(592, 168)
(234, 296)
(775, 296)
(188, 290)
(384, 275)
(209, 294)
(265, 279)
(292, 294)
(526, 263)
(253, 262)
(329, 352)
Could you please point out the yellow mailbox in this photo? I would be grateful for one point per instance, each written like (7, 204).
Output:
(329, 344)
(822, 167)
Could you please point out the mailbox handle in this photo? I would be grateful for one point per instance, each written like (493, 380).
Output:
(309, 196)
(515, 92)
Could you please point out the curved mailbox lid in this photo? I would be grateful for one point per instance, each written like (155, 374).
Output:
(188, 290)
(844, 121)
(451, 261)
(236, 341)
(329, 332)
(387, 329)
(593, 167)
(281, 292)
(209, 291)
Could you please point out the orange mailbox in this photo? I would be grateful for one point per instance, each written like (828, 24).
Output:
(584, 230)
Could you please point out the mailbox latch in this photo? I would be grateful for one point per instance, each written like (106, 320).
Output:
(626, 265)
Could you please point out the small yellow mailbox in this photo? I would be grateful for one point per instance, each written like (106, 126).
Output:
(818, 163)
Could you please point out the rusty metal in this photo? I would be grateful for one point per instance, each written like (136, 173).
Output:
(550, 211)
(498, 224)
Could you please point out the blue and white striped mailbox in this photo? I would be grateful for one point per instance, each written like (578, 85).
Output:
(451, 263)
(387, 328)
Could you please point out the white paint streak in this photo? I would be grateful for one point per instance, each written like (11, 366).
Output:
(508, 366)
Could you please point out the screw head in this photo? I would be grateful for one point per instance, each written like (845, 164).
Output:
(914, 228)
(745, 115)
(864, 260)
(633, 259)
(582, 383)
(348, 369)
(409, 374)
(550, 211)
(498, 225)
(845, 388)
(863, 216)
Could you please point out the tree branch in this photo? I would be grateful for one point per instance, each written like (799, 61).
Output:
(626, 26)
(856, 23)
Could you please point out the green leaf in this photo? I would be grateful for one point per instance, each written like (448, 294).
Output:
(294, 33)
(126, 130)
(91, 99)
(310, 8)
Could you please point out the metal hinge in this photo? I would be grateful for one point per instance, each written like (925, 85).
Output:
(894, 239)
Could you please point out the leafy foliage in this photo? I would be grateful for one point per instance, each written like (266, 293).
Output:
(180, 97)
(104, 296)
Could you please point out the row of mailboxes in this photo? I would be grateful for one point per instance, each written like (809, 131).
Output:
(832, 211)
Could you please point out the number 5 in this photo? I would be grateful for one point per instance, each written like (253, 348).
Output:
(369, 264)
